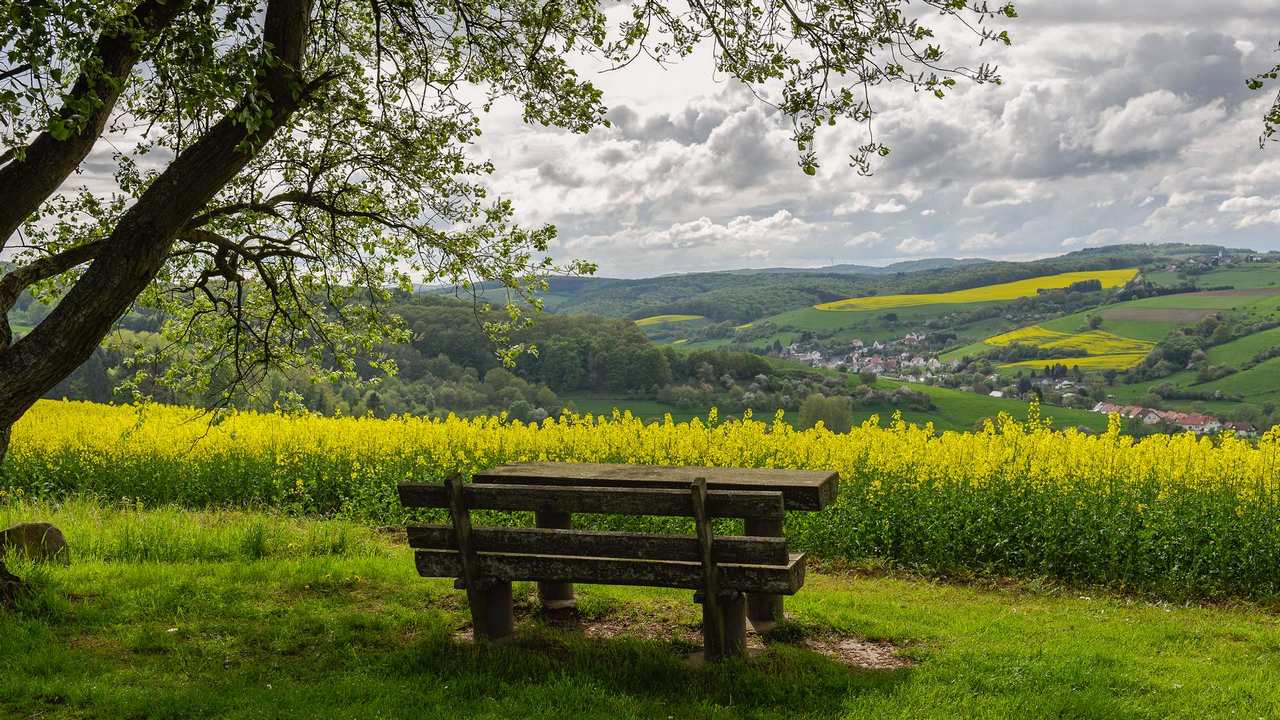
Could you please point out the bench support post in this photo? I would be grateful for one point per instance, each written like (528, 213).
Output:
(555, 596)
(724, 618)
(765, 611)
(729, 613)
(492, 616)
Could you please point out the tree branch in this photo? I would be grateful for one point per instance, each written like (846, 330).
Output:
(13, 283)
(49, 159)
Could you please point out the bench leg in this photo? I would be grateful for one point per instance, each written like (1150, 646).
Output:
(765, 611)
(733, 610)
(555, 596)
(492, 615)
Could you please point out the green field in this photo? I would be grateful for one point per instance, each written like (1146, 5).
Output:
(177, 614)
(1143, 322)
(1253, 276)
(958, 410)
(1258, 384)
(1257, 276)
(1243, 349)
(600, 404)
(872, 325)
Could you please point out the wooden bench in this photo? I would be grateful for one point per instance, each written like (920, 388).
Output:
(802, 491)
(485, 560)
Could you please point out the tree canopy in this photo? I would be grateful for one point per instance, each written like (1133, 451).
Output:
(291, 163)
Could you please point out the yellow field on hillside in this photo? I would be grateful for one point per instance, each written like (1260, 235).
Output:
(659, 319)
(986, 293)
(1117, 361)
(1094, 342)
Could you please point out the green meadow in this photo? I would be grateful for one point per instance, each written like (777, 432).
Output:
(179, 614)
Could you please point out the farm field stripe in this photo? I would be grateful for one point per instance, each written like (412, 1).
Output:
(1118, 361)
(987, 293)
(659, 319)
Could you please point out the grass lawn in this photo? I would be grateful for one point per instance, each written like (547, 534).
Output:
(1242, 350)
(957, 410)
(173, 614)
(1254, 383)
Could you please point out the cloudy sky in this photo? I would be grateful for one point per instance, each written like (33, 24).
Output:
(1118, 121)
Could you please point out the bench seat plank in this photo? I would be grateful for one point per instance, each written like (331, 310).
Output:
(777, 579)
(608, 500)
(595, 543)
(801, 489)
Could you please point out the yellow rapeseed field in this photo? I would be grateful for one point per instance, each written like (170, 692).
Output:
(1195, 514)
(1106, 350)
(1094, 342)
(986, 293)
(659, 319)
(109, 441)
(1115, 361)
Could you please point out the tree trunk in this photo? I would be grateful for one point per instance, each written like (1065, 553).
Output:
(138, 246)
(5, 432)
(6, 429)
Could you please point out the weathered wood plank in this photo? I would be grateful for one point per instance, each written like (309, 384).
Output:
(801, 489)
(782, 580)
(712, 619)
(600, 543)
(617, 501)
(461, 518)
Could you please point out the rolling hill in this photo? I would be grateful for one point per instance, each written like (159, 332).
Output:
(743, 296)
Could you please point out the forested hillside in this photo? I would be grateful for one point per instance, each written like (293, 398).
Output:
(743, 296)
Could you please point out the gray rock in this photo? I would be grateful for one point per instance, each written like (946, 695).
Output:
(40, 542)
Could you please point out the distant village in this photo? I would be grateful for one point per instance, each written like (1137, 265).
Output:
(900, 359)
(1195, 422)
(904, 360)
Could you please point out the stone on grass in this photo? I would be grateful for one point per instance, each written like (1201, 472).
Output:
(40, 542)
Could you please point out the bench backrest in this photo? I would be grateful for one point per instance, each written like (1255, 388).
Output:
(737, 564)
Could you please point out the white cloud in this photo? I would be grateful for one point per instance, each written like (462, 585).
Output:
(856, 203)
(1264, 218)
(981, 241)
(889, 206)
(865, 239)
(1253, 202)
(1156, 121)
(743, 232)
(1105, 236)
(996, 193)
(916, 246)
